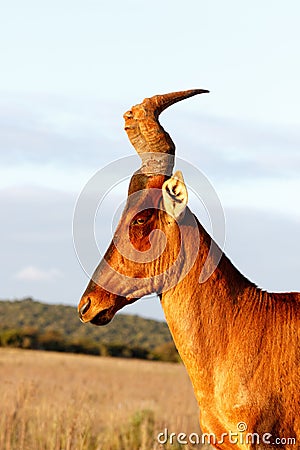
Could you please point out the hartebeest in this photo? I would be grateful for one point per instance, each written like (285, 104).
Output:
(240, 344)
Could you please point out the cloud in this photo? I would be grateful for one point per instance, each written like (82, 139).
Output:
(231, 149)
(265, 247)
(36, 214)
(36, 245)
(59, 131)
(32, 273)
(58, 142)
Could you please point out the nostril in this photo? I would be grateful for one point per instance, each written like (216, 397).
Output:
(85, 307)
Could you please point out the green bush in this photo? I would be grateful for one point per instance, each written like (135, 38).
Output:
(166, 352)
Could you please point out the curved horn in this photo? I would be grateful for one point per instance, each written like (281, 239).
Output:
(143, 128)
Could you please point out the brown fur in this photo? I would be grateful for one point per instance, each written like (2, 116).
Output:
(240, 345)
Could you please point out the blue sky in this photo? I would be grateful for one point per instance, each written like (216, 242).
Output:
(69, 70)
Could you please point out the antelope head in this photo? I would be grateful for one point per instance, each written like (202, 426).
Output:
(149, 238)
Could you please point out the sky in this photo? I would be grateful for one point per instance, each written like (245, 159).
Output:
(69, 70)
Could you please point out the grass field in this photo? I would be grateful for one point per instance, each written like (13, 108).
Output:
(58, 401)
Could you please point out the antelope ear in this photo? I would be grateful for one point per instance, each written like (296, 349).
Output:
(175, 196)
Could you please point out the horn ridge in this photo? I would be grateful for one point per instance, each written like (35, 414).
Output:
(142, 125)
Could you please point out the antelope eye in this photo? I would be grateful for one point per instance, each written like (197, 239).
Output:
(138, 221)
(142, 218)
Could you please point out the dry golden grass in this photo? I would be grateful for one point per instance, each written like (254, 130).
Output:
(56, 401)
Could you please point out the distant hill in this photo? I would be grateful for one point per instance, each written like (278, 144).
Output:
(125, 331)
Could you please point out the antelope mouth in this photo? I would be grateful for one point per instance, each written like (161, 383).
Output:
(103, 317)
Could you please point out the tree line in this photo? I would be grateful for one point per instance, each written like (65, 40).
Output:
(52, 340)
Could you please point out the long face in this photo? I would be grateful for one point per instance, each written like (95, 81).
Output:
(140, 259)
(146, 254)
